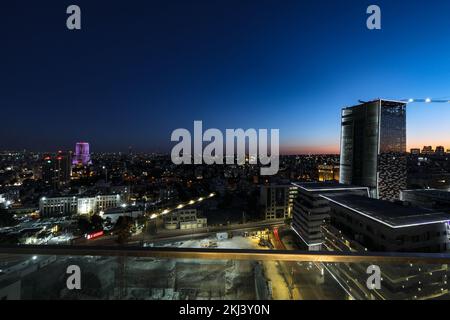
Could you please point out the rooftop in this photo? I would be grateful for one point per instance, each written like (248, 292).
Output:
(388, 213)
(386, 102)
(326, 186)
(443, 194)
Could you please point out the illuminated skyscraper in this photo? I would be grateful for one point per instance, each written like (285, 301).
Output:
(82, 155)
(373, 147)
(56, 169)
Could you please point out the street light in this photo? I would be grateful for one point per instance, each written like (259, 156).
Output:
(106, 174)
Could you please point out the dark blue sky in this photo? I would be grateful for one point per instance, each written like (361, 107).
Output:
(140, 69)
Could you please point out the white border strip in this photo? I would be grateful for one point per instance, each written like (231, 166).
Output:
(309, 245)
(383, 222)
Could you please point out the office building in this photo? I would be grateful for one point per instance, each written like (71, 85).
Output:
(427, 198)
(186, 218)
(63, 167)
(276, 200)
(415, 152)
(384, 226)
(311, 210)
(97, 204)
(84, 205)
(57, 169)
(82, 156)
(373, 147)
(58, 206)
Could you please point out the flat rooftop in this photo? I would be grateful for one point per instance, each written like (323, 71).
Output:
(388, 213)
(442, 194)
(385, 102)
(326, 186)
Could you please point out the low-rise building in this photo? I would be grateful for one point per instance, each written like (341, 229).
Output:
(328, 172)
(427, 198)
(384, 226)
(310, 209)
(58, 206)
(114, 214)
(69, 205)
(187, 218)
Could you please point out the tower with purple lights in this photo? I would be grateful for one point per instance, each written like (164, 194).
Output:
(82, 155)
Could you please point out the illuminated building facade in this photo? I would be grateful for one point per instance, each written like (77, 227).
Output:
(384, 226)
(82, 154)
(70, 205)
(373, 147)
(311, 209)
(328, 173)
(57, 206)
(97, 204)
(57, 169)
(276, 200)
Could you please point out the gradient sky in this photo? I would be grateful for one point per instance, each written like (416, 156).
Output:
(140, 69)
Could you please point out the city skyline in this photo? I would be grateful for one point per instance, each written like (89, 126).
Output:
(236, 66)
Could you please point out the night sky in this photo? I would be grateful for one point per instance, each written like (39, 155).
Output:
(140, 69)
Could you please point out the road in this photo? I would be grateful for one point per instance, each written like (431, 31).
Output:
(308, 281)
(351, 276)
(179, 235)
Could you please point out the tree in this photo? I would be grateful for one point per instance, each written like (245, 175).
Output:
(123, 228)
(97, 222)
(84, 225)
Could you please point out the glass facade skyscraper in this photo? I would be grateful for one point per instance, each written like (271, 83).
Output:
(373, 147)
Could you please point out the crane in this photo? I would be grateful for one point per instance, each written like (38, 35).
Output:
(426, 100)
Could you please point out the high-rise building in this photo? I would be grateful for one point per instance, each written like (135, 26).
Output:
(427, 150)
(415, 151)
(276, 200)
(63, 167)
(57, 169)
(82, 155)
(48, 170)
(440, 151)
(373, 147)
